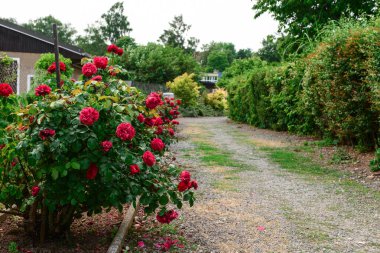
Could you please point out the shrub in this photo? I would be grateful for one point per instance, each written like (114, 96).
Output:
(91, 145)
(185, 88)
(375, 163)
(217, 99)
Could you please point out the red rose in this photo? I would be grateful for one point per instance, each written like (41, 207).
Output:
(46, 133)
(159, 130)
(171, 104)
(119, 51)
(141, 118)
(153, 100)
(5, 90)
(14, 163)
(35, 190)
(97, 78)
(92, 171)
(89, 69)
(149, 159)
(42, 90)
(88, 116)
(185, 176)
(100, 62)
(149, 121)
(125, 131)
(172, 112)
(112, 48)
(179, 101)
(174, 122)
(171, 131)
(168, 217)
(134, 169)
(194, 184)
(157, 144)
(158, 121)
(52, 67)
(106, 145)
(183, 186)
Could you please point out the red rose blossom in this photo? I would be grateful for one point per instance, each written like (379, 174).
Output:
(42, 90)
(134, 169)
(35, 190)
(149, 159)
(52, 67)
(46, 133)
(112, 48)
(89, 69)
(159, 130)
(183, 186)
(158, 121)
(194, 184)
(168, 217)
(92, 171)
(14, 163)
(97, 78)
(120, 51)
(157, 144)
(106, 145)
(153, 100)
(100, 62)
(175, 122)
(5, 90)
(179, 101)
(141, 118)
(171, 131)
(125, 131)
(88, 116)
(185, 176)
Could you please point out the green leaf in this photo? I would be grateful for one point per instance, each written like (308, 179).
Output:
(75, 165)
(54, 173)
(92, 143)
(164, 200)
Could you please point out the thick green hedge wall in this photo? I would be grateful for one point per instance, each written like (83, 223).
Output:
(333, 92)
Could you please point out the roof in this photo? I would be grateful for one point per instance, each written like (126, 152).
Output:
(41, 37)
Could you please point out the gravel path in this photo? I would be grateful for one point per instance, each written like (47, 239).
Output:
(264, 208)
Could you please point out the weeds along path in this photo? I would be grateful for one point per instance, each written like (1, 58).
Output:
(269, 200)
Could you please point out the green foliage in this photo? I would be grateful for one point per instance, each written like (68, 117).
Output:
(59, 164)
(269, 52)
(375, 163)
(93, 41)
(175, 36)
(155, 63)
(185, 88)
(223, 54)
(333, 92)
(114, 24)
(301, 19)
(44, 25)
(244, 53)
(13, 248)
(125, 42)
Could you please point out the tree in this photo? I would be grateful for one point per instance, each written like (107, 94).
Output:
(125, 42)
(269, 51)
(306, 18)
(175, 36)
(244, 53)
(11, 20)
(155, 63)
(44, 25)
(93, 41)
(114, 23)
(222, 55)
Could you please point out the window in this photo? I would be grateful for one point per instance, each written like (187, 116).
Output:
(30, 82)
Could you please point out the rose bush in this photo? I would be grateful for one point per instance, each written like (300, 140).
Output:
(86, 147)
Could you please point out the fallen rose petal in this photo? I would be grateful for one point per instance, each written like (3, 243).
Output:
(261, 228)
(141, 244)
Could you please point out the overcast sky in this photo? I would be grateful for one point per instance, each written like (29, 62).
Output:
(211, 20)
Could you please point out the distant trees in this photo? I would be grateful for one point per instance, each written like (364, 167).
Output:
(269, 52)
(175, 36)
(218, 55)
(43, 25)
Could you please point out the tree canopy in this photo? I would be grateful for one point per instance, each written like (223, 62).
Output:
(269, 51)
(175, 36)
(43, 25)
(306, 18)
(218, 55)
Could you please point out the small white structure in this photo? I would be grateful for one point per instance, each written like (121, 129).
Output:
(211, 77)
(168, 95)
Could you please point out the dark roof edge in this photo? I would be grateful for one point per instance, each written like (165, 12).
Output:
(35, 35)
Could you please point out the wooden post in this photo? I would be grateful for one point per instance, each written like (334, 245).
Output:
(56, 52)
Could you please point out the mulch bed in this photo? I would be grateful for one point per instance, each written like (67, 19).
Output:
(88, 234)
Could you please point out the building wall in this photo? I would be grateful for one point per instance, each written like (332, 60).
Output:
(27, 61)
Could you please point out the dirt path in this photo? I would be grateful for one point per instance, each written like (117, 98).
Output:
(247, 203)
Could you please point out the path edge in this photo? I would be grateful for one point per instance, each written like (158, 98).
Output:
(117, 243)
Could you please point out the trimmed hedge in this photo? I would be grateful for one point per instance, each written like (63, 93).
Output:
(333, 92)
